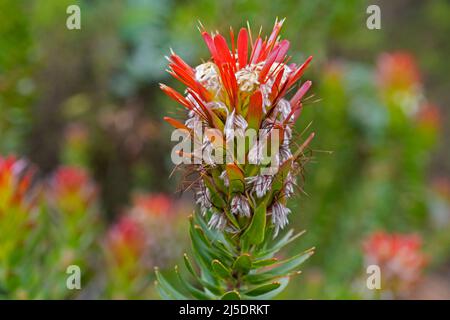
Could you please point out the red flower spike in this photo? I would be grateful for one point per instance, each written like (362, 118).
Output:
(220, 85)
(233, 46)
(203, 111)
(254, 114)
(230, 83)
(275, 32)
(176, 96)
(284, 47)
(223, 52)
(242, 48)
(300, 93)
(264, 52)
(295, 111)
(256, 51)
(299, 72)
(210, 44)
(269, 62)
(247, 90)
(175, 123)
(276, 85)
(176, 60)
(185, 74)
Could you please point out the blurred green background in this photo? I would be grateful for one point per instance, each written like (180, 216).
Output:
(380, 160)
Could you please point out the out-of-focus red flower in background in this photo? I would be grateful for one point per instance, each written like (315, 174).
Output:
(146, 235)
(72, 189)
(18, 209)
(126, 240)
(399, 257)
(160, 218)
(156, 205)
(398, 71)
(15, 181)
(429, 117)
(401, 89)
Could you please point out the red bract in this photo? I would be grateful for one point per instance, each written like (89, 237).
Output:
(234, 74)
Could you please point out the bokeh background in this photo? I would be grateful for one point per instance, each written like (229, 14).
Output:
(89, 185)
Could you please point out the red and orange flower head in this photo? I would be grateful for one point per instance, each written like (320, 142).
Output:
(242, 87)
(126, 241)
(145, 236)
(15, 181)
(159, 205)
(398, 71)
(72, 189)
(399, 257)
(162, 218)
(18, 209)
(399, 82)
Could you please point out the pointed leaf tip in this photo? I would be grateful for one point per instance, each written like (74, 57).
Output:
(231, 295)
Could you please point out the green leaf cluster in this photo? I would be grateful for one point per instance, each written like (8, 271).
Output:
(228, 267)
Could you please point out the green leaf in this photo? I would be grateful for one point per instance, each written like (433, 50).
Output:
(279, 179)
(206, 249)
(285, 240)
(168, 288)
(264, 262)
(218, 181)
(231, 295)
(236, 178)
(220, 269)
(189, 265)
(272, 294)
(214, 236)
(282, 269)
(208, 276)
(204, 256)
(243, 264)
(164, 295)
(232, 218)
(202, 249)
(215, 250)
(215, 119)
(198, 294)
(208, 285)
(265, 288)
(215, 196)
(290, 264)
(255, 231)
